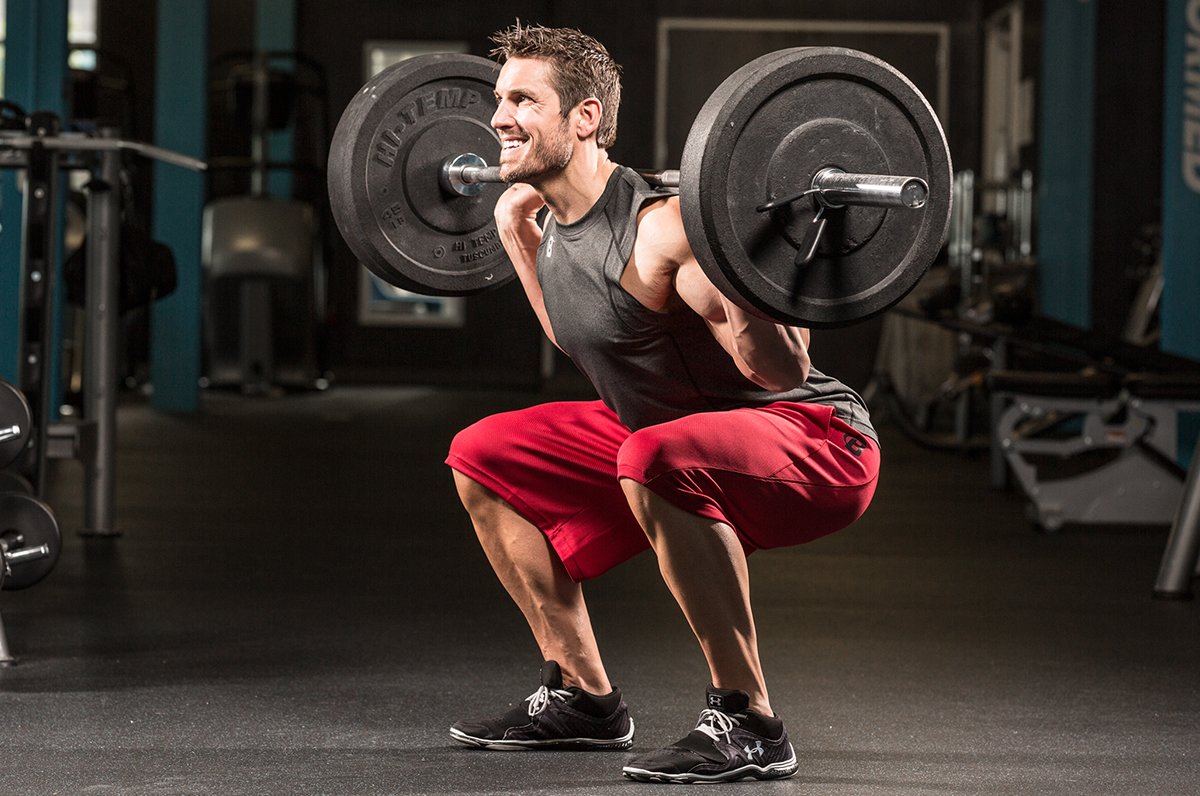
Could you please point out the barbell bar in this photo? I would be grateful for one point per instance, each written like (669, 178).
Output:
(830, 186)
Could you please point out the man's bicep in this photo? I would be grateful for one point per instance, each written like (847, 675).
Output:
(697, 291)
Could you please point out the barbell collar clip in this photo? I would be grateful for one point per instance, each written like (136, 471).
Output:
(786, 200)
(812, 239)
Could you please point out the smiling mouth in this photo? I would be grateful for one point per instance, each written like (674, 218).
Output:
(512, 145)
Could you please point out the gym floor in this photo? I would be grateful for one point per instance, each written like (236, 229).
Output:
(298, 606)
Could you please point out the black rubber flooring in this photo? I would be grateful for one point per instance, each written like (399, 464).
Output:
(298, 606)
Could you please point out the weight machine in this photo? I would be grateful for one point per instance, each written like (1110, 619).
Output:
(988, 280)
(29, 535)
(264, 255)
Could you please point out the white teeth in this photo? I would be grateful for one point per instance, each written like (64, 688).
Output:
(512, 144)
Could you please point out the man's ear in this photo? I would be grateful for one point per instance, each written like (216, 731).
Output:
(590, 112)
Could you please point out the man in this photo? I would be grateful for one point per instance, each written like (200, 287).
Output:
(713, 436)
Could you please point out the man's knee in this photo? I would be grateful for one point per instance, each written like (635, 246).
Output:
(638, 497)
(645, 454)
(476, 447)
(472, 494)
(475, 442)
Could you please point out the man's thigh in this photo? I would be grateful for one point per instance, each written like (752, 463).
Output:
(781, 474)
(555, 464)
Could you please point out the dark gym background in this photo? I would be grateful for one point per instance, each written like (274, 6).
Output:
(499, 344)
(297, 603)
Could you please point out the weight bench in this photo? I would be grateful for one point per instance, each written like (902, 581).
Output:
(1101, 448)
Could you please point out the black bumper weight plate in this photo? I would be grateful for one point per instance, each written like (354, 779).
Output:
(763, 134)
(15, 422)
(385, 169)
(31, 521)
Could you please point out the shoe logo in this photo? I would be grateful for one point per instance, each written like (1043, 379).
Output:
(757, 749)
(715, 701)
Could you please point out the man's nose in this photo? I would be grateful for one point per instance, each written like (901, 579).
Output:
(502, 117)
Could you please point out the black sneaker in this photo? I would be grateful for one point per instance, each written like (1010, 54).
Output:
(554, 717)
(729, 743)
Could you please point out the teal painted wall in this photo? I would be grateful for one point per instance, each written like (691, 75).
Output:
(181, 92)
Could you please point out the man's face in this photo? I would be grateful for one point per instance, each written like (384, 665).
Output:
(534, 138)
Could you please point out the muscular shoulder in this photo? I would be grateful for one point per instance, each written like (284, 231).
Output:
(662, 224)
(660, 232)
(659, 250)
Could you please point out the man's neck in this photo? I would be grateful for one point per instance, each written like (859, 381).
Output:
(575, 190)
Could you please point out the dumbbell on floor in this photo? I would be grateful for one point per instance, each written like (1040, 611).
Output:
(30, 541)
(15, 422)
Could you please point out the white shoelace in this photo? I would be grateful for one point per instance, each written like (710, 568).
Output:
(540, 698)
(714, 723)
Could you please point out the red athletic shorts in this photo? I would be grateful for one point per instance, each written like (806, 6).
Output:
(781, 474)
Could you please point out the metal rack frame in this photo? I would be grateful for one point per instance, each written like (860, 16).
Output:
(43, 152)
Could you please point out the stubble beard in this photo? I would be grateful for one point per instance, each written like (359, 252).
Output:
(545, 157)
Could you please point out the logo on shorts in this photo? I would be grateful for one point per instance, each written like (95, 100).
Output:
(854, 443)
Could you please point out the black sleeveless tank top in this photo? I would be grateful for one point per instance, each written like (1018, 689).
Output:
(648, 367)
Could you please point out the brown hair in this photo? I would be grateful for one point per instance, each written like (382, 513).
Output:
(580, 68)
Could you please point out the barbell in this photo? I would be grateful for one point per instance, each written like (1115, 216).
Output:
(814, 186)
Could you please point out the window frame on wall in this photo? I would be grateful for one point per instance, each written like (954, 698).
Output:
(938, 34)
(81, 32)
